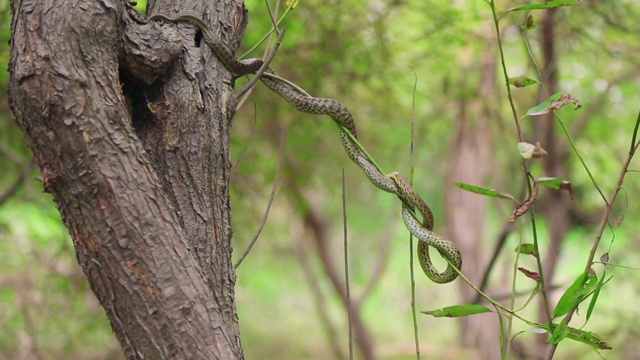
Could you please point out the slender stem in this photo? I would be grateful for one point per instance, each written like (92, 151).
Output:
(346, 265)
(411, 259)
(504, 70)
(584, 165)
(265, 216)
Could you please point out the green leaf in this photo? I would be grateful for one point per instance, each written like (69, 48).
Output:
(576, 293)
(529, 24)
(560, 332)
(527, 249)
(588, 338)
(596, 293)
(557, 184)
(555, 101)
(483, 191)
(292, 4)
(547, 5)
(458, 310)
(582, 336)
(554, 183)
(521, 81)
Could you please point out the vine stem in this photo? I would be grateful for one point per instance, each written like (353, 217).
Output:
(411, 259)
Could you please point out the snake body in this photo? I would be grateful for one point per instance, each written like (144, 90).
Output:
(392, 183)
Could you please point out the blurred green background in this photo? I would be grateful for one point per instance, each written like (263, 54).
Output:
(369, 54)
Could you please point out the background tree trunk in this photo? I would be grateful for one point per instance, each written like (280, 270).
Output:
(469, 162)
(138, 169)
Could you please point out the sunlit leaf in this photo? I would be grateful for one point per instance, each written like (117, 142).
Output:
(528, 151)
(521, 81)
(576, 293)
(483, 191)
(458, 310)
(555, 101)
(557, 184)
(527, 249)
(547, 5)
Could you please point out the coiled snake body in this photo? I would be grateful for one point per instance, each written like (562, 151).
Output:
(392, 183)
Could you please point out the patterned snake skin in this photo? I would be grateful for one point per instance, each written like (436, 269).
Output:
(392, 183)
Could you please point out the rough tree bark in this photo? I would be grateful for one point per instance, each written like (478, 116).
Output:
(130, 124)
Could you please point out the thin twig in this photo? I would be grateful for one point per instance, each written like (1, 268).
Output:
(416, 335)
(346, 264)
(265, 216)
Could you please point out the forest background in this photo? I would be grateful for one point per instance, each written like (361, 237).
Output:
(436, 63)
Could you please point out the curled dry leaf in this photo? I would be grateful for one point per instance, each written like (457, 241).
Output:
(529, 24)
(530, 151)
(618, 221)
(524, 207)
(530, 274)
(564, 100)
(538, 151)
(553, 102)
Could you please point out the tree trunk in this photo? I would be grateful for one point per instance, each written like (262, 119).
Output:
(130, 124)
(469, 162)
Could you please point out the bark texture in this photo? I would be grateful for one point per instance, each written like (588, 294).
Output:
(130, 124)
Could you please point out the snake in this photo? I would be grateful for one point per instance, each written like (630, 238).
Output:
(392, 183)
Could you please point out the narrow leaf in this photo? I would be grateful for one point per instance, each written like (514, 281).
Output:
(457, 310)
(483, 191)
(576, 293)
(557, 184)
(584, 337)
(588, 338)
(555, 101)
(530, 274)
(596, 293)
(546, 5)
(521, 81)
(560, 332)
